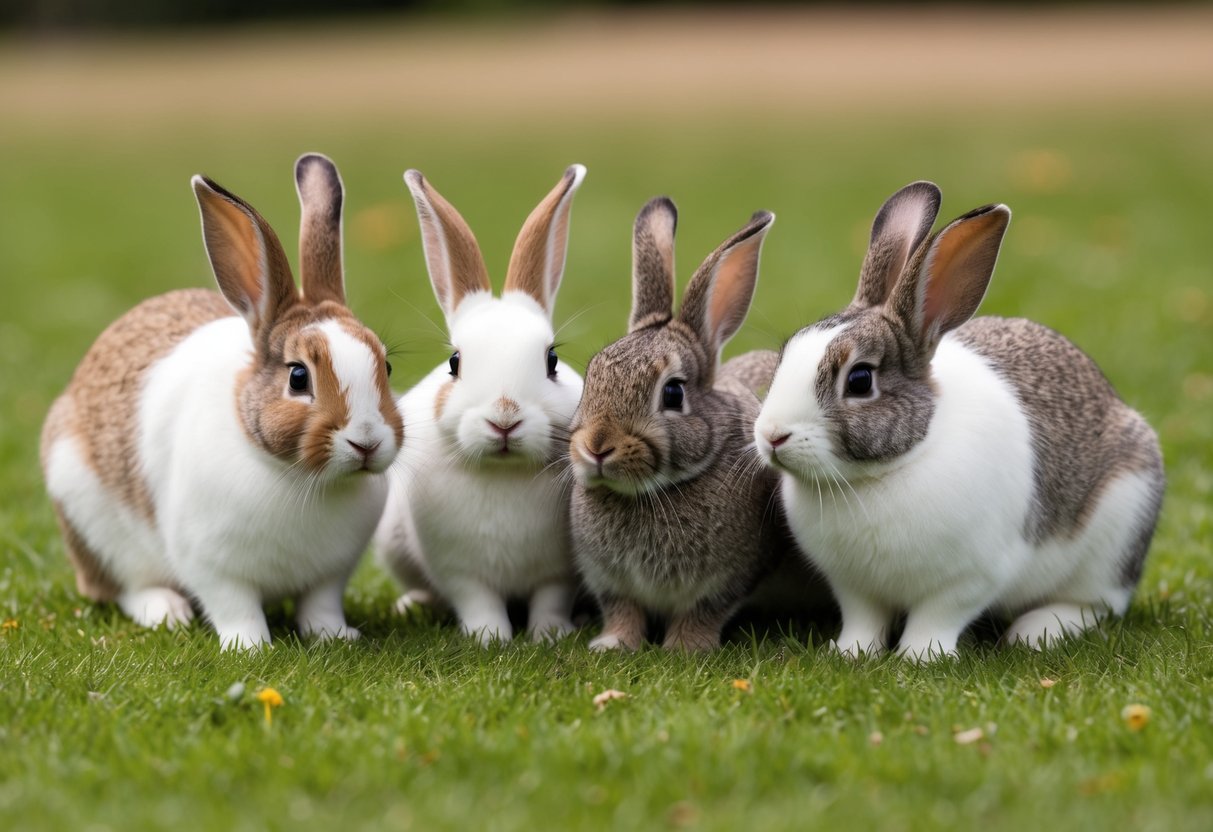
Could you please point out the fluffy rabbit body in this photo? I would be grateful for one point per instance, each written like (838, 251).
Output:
(943, 467)
(667, 517)
(476, 514)
(230, 458)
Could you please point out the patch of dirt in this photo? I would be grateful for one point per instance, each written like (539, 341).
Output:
(793, 62)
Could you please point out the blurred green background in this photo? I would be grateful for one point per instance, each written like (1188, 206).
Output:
(1094, 125)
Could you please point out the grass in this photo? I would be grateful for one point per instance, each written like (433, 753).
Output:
(108, 727)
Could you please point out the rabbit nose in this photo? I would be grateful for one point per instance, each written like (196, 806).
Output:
(600, 457)
(503, 430)
(776, 441)
(365, 450)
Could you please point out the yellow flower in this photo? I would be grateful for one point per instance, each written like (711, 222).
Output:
(271, 699)
(10, 624)
(1135, 716)
(742, 684)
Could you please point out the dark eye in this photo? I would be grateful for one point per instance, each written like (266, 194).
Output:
(859, 380)
(672, 395)
(297, 380)
(388, 365)
(552, 359)
(455, 363)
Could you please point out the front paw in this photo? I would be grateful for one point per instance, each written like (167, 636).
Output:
(329, 632)
(925, 653)
(856, 649)
(549, 630)
(243, 641)
(610, 641)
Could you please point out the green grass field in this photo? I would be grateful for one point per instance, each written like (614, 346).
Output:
(105, 726)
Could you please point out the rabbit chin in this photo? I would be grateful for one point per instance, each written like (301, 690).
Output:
(485, 451)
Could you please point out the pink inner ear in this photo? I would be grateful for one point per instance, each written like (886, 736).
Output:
(236, 252)
(959, 270)
(734, 285)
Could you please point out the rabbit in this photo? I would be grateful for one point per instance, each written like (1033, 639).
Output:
(981, 464)
(670, 515)
(476, 514)
(228, 449)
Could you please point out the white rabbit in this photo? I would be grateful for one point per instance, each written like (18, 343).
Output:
(476, 514)
(230, 458)
(943, 467)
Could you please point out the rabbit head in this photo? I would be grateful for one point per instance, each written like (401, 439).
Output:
(853, 394)
(649, 416)
(509, 397)
(316, 393)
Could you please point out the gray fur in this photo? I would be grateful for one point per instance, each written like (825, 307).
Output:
(901, 225)
(702, 526)
(653, 263)
(1083, 435)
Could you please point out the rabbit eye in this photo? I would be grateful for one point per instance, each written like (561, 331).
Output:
(552, 359)
(388, 366)
(297, 379)
(455, 363)
(859, 380)
(672, 395)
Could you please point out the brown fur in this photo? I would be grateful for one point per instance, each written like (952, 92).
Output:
(442, 226)
(653, 264)
(320, 195)
(530, 269)
(444, 393)
(676, 510)
(99, 408)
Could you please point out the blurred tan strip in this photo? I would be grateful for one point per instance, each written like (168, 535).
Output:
(795, 63)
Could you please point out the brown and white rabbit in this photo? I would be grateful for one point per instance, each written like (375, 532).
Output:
(987, 464)
(230, 449)
(667, 518)
(476, 514)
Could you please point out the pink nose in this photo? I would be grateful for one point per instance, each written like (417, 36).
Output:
(503, 430)
(365, 450)
(776, 441)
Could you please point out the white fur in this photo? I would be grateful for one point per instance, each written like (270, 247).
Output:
(234, 526)
(476, 525)
(939, 533)
(355, 366)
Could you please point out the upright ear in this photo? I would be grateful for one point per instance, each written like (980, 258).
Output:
(653, 264)
(537, 263)
(451, 253)
(948, 283)
(901, 225)
(320, 195)
(249, 264)
(719, 294)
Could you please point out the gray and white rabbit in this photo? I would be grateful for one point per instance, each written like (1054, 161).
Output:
(671, 515)
(476, 513)
(988, 464)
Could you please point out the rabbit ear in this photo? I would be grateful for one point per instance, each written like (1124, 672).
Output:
(719, 294)
(451, 253)
(947, 285)
(537, 264)
(901, 225)
(249, 264)
(653, 264)
(320, 196)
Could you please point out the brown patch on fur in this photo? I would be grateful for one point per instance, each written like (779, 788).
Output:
(246, 256)
(93, 580)
(507, 406)
(100, 406)
(320, 197)
(537, 262)
(444, 393)
(387, 402)
(329, 410)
